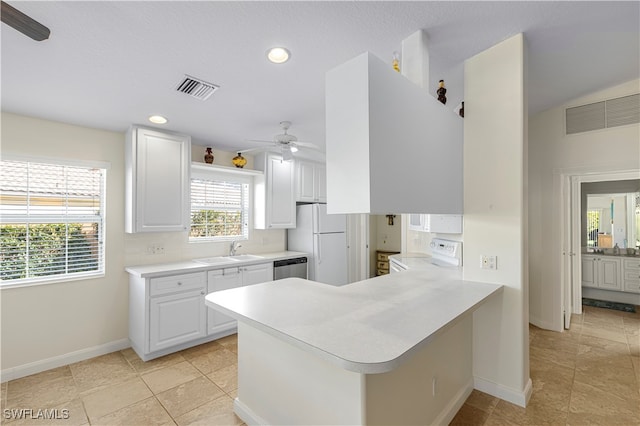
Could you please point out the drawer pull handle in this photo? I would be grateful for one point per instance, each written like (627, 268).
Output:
(202, 292)
(179, 283)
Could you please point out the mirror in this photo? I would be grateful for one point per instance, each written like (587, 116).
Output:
(611, 215)
(611, 220)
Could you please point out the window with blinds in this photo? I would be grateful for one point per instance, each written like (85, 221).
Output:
(51, 221)
(219, 208)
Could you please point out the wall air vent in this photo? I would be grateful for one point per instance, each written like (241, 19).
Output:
(602, 115)
(196, 88)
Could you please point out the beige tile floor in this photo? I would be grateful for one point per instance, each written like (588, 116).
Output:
(588, 375)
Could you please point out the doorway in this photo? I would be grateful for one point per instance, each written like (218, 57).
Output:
(571, 231)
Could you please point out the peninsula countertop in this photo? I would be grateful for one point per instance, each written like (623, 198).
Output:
(370, 326)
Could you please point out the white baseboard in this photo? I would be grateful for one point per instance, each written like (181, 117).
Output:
(61, 360)
(545, 325)
(513, 396)
(246, 414)
(444, 418)
(449, 412)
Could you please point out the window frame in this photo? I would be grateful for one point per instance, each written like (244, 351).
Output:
(220, 174)
(60, 278)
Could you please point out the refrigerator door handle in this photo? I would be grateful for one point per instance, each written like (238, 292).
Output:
(318, 252)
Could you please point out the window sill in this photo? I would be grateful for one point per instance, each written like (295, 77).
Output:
(7, 285)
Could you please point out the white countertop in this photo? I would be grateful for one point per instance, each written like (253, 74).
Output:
(162, 269)
(370, 326)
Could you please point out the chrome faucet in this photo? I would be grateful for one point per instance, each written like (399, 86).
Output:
(235, 245)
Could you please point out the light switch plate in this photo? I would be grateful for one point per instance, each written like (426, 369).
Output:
(488, 262)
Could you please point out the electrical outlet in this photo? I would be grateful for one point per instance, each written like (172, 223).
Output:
(488, 262)
(155, 248)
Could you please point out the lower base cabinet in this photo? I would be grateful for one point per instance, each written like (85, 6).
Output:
(227, 278)
(601, 272)
(168, 313)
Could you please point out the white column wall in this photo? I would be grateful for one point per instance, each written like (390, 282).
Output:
(495, 215)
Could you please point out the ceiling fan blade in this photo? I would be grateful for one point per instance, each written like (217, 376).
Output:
(23, 23)
(308, 145)
(244, 151)
(260, 141)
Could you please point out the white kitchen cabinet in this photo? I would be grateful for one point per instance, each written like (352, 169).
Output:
(386, 137)
(166, 312)
(631, 275)
(311, 182)
(601, 272)
(221, 279)
(157, 166)
(274, 193)
(227, 278)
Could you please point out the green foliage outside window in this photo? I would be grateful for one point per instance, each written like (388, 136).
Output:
(47, 249)
(212, 223)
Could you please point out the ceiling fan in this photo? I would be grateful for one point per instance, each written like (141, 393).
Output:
(285, 142)
(23, 23)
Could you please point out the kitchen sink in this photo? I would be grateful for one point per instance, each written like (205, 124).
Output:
(240, 257)
(227, 259)
(213, 260)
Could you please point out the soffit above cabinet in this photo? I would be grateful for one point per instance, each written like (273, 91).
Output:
(391, 146)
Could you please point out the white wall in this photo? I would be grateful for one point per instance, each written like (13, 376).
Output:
(495, 215)
(551, 153)
(47, 324)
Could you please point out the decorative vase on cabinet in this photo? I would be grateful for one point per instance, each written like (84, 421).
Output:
(157, 175)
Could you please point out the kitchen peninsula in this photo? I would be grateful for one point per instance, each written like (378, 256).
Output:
(387, 350)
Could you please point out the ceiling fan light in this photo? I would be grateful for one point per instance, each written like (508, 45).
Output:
(278, 55)
(158, 119)
(294, 148)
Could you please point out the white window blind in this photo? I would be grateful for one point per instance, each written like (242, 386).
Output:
(219, 208)
(51, 221)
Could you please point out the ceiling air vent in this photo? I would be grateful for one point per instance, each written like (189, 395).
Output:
(604, 114)
(196, 88)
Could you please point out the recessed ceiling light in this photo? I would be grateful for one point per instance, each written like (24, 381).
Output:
(158, 119)
(278, 55)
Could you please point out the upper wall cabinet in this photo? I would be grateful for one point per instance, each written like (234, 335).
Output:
(157, 181)
(391, 147)
(311, 182)
(274, 193)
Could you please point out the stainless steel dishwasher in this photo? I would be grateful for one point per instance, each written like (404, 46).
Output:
(288, 268)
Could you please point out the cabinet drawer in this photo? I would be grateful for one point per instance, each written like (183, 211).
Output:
(175, 283)
(383, 272)
(383, 256)
(632, 286)
(632, 264)
(383, 265)
(631, 275)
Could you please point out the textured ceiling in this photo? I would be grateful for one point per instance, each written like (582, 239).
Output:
(109, 64)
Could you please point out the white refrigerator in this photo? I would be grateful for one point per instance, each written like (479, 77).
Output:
(324, 237)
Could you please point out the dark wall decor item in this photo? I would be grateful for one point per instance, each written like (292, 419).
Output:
(442, 92)
(208, 157)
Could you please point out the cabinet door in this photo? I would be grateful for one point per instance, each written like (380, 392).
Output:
(158, 169)
(589, 275)
(321, 183)
(609, 274)
(176, 319)
(281, 203)
(221, 279)
(255, 274)
(305, 182)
